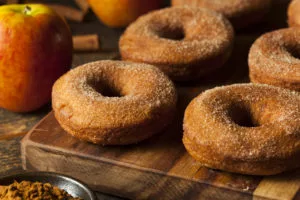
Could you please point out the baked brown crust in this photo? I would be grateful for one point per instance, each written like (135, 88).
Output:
(114, 102)
(293, 13)
(240, 13)
(274, 59)
(186, 43)
(245, 128)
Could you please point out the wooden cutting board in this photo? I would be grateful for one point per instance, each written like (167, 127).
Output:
(158, 168)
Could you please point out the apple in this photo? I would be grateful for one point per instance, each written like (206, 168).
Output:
(120, 13)
(35, 50)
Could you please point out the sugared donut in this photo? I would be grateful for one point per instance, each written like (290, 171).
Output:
(114, 102)
(294, 13)
(240, 13)
(274, 59)
(245, 128)
(184, 42)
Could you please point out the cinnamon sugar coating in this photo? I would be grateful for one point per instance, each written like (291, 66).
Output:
(293, 13)
(114, 102)
(240, 13)
(245, 128)
(186, 43)
(274, 59)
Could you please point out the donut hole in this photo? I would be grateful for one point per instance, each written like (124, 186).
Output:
(106, 89)
(294, 51)
(109, 92)
(172, 33)
(242, 115)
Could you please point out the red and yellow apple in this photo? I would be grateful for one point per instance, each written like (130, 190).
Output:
(120, 13)
(35, 50)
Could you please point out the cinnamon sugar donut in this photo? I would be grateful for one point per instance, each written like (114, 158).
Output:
(294, 13)
(274, 59)
(245, 128)
(114, 102)
(184, 42)
(240, 13)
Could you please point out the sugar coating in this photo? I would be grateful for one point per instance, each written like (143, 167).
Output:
(207, 35)
(207, 122)
(206, 32)
(146, 95)
(273, 55)
(230, 8)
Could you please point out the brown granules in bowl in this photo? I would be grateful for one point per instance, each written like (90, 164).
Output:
(33, 191)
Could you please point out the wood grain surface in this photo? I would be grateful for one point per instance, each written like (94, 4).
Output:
(10, 160)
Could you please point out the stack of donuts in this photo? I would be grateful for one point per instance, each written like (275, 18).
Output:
(249, 128)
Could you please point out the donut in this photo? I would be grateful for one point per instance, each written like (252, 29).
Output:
(183, 42)
(274, 59)
(244, 128)
(114, 102)
(240, 13)
(294, 13)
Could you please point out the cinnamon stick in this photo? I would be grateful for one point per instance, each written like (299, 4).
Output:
(68, 12)
(86, 42)
(7, 136)
(83, 5)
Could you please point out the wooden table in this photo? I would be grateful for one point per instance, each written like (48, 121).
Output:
(14, 125)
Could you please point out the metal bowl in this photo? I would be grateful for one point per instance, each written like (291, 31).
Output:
(73, 186)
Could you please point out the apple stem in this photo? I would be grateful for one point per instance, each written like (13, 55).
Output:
(27, 9)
